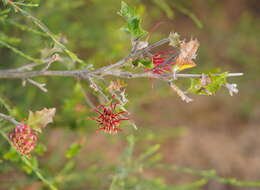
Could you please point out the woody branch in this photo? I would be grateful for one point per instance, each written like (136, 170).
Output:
(20, 72)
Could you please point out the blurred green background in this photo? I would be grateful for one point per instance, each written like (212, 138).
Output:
(217, 132)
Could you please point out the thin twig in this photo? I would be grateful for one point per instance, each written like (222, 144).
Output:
(39, 85)
(9, 118)
(130, 75)
(135, 54)
(30, 66)
(96, 88)
(88, 101)
(53, 58)
(183, 96)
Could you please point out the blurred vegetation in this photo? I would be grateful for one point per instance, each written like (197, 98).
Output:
(72, 156)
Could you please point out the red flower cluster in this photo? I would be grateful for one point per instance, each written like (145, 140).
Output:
(158, 60)
(23, 138)
(108, 119)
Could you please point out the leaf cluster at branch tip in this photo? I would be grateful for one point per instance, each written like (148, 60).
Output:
(133, 20)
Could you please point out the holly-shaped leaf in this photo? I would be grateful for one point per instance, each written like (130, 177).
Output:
(217, 82)
(145, 63)
(133, 21)
(208, 84)
(40, 119)
(126, 11)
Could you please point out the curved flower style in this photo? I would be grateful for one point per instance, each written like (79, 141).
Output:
(159, 60)
(109, 120)
(23, 138)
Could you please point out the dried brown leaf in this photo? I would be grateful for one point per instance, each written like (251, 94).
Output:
(40, 119)
(187, 54)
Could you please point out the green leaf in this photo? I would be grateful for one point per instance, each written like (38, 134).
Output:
(150, 151)
(40, 149)
(133, 20)
(33, 164)
(126, 11)
(17, 51)
(128, 153)
(212, 175)
(73, 150)
(4, 11)
(9, 39)
(12, 155)
(68, 167)
(215, 82)
(5, 2)
(145, 63)
(27, 4)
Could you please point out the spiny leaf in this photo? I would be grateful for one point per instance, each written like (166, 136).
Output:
(133, 21)
(217, 82)
(208, 86)
(40, 119)
(126, 11)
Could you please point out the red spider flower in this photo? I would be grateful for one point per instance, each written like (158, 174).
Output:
(159, 60)
(23, 138)
(108, 119)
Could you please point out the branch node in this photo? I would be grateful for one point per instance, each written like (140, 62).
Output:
(41, 86)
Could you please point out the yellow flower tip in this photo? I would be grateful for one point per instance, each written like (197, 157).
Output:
(184, 64)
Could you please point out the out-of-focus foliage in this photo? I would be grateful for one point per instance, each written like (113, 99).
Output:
(91, 28)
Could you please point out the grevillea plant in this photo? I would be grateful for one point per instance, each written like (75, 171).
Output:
(23, 138)
(109, 119)
(143, 61)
